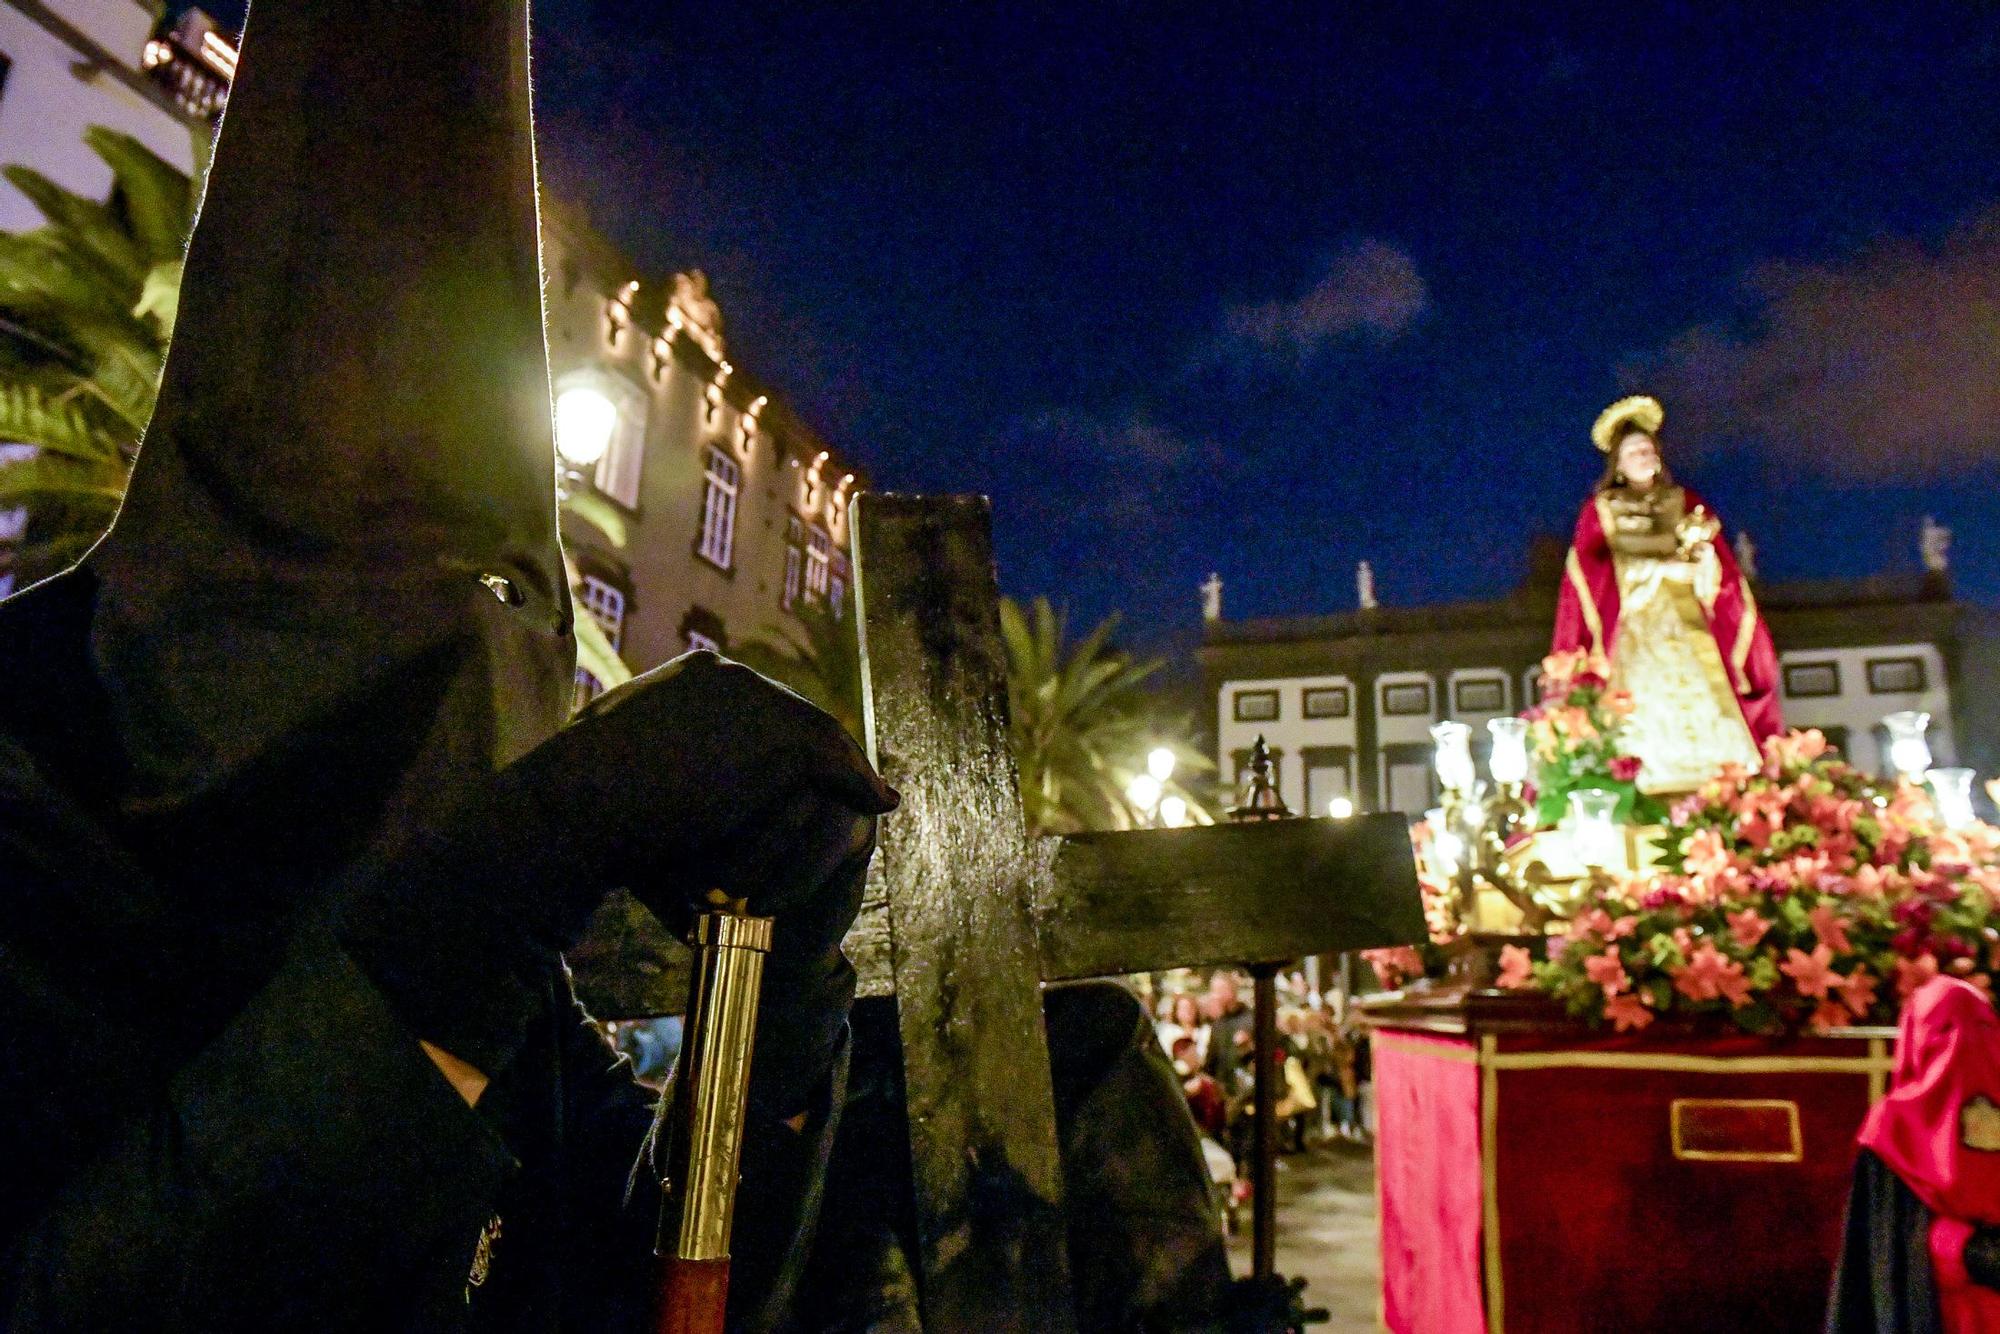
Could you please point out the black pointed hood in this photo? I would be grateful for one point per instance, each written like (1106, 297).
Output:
(336, 575)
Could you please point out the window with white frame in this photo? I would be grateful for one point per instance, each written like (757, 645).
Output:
(795, 561)
(837, 589)
(718, 509)
(618, 471)
(606, 604)
(819, 553)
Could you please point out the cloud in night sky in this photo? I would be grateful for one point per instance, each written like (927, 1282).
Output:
(1883, 367)
(1371, 288)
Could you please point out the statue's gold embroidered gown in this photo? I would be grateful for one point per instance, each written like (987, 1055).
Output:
(1686, 722)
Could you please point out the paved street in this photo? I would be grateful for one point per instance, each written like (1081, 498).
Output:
(1326, 1232)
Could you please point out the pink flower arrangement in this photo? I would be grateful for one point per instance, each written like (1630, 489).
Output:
(1576, 736)
(1802, 894)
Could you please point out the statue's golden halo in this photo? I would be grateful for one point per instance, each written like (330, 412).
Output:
(1641, 410)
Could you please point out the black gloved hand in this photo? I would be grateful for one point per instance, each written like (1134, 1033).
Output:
(1982, 1257)
(697, 776)
(1274, 1305)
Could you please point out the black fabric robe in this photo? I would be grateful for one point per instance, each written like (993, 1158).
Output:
(1883, 1283)
(1145, 1237)
(333, 600)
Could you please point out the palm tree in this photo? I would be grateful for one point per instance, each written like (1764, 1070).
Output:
(1082, 723)
(87, 304)
(820, 659)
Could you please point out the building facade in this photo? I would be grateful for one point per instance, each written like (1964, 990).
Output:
(1346, 702)
(66, 65)
(734, 511)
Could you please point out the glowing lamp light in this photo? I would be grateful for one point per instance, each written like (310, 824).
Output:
(1593, 830)
(1509, 761)
(1454, 756)
(1340, 808)
(585, 421)
(1909, 744)
(1173, 812)
(1951, 791)
(1447, 848)
(1145, 791)
(1160, 762)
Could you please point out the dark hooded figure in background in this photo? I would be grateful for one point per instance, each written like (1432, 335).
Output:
(291, 830)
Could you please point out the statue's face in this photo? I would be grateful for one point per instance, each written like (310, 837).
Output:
(1638, 460)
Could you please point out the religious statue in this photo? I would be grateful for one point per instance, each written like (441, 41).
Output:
(1211, 598)
(1934, 544)
(697, 311)
(1364, 586)
(1650, 584)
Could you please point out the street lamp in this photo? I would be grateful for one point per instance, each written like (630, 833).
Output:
(1173, 812)
(585, 423)
(1145, 792)
(1160, 763)
(1341, 808)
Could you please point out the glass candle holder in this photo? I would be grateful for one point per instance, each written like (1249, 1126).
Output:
(1447, 848)
(1509, 760)
(1909, 743)
(1951, 792)
(1453, 759)
(1594, 831)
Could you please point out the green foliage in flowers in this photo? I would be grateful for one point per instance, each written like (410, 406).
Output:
(1799, 895)
(1576, 736)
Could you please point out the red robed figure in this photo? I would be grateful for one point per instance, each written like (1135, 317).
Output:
(1939, 1130)
(1588, 604)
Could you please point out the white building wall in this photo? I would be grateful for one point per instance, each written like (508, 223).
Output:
(1859, 705)
(1290, 734)
(53, 93)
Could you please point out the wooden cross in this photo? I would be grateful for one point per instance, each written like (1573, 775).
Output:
(967, 916)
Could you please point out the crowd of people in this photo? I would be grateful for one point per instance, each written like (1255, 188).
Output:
(1320, 1059)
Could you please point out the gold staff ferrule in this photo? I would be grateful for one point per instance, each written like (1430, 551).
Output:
(714, 1084)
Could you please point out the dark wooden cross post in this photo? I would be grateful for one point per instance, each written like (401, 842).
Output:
(967, 915)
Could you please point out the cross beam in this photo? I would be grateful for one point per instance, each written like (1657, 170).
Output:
(967, 915)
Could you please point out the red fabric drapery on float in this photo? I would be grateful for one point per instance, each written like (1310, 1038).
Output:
(1587, 617)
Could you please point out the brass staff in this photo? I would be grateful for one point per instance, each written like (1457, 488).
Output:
(705, 1144)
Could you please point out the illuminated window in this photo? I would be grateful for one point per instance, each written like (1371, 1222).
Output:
(795, 561)
(718, 509)
(606, 605)
(819, 550)
(837, 591)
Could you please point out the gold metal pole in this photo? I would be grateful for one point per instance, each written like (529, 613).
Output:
(712, 1094)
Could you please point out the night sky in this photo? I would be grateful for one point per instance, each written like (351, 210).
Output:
(1269, 290)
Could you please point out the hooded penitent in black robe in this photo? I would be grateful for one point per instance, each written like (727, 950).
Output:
(332, 607)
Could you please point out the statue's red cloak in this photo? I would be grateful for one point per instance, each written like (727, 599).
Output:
(1587, 617)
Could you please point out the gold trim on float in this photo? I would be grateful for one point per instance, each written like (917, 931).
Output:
(1878, 1071)
(1489, 1183)
(1797, 1152)
(1441, 1051)
(1717, 1065)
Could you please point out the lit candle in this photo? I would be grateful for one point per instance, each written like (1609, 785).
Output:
(1594, 833)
